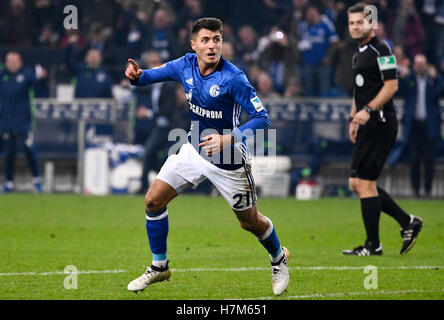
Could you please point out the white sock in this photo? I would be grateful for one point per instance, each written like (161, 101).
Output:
(278, 257)
(160, 264)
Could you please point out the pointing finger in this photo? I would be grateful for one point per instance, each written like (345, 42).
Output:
(133, 63)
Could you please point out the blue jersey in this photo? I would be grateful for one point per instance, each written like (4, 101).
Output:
(15, 96)
(216, 102)
(316, 40)
(89, 83)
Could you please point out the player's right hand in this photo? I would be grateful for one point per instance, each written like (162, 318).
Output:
(133, 71)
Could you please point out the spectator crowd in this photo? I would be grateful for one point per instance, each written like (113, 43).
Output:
(287, 48)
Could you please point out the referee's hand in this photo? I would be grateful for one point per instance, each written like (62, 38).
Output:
(353, 132)
(361, 117)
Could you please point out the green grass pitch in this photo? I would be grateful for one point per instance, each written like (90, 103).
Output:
(210, 255)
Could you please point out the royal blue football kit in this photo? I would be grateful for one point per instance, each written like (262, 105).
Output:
(216, 102)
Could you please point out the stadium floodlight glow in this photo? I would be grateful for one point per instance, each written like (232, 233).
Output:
(279, 35)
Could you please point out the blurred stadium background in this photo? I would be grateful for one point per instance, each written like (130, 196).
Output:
(87, 136)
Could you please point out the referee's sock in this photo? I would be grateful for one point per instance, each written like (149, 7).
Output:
(271, 242)
(371, 212)
(157, 229)
(389, 206)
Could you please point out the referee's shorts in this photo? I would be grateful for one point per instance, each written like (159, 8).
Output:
(373, 144)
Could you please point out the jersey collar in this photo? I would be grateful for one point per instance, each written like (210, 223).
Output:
(363, 48)
(372, 41)
(219, 67)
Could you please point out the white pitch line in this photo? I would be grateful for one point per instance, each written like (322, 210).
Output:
(223, 270)
(51, 273)
(305, 268)
(347, 294)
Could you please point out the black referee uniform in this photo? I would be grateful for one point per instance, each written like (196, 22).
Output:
(372, 65)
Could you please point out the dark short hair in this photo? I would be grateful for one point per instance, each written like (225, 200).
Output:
(212, 24)
(313, 6)
(357, 8)
(14, 52)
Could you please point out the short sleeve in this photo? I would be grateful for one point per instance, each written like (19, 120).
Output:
(386, 62)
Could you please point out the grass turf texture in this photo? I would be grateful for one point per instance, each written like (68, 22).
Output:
(48, 232)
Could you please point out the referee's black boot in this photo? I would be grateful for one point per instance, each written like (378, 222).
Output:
(364, 250)
(410, 233)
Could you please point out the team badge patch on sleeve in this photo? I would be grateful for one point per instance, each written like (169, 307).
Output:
(257, 104)
(387, 63)
(160, 66)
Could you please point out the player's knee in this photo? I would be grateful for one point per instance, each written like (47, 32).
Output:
(247, 225)
(153, 203)
(250, 224)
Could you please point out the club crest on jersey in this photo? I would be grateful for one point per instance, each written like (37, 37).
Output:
(160, 66)
(20, 78)
(359, 80)
(214, 91)
(101, 77)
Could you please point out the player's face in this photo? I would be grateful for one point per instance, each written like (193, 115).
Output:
(13, 62)
(357, 27)
(208, 46)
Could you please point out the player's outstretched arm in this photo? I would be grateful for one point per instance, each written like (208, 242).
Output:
(170, 71)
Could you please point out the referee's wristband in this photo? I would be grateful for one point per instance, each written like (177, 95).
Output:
(368, 109)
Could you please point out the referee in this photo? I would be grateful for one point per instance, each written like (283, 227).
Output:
(373, 130)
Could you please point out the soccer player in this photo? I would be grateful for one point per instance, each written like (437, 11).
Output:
(16, 84)
(216, 91)
(373, 130)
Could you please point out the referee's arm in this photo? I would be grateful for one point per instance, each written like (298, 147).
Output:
(353, 128)
(387, 92)
(384, 95)
(353, 110)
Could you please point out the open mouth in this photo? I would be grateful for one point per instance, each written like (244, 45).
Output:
(211, 55)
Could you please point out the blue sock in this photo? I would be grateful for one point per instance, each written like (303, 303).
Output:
(271, 242)
(157, 230)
